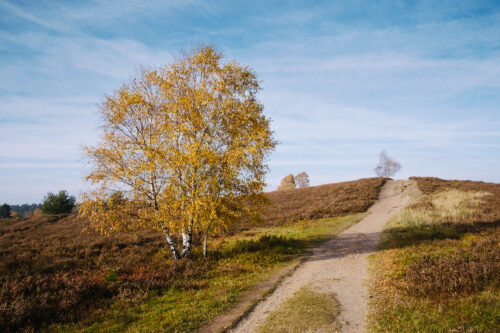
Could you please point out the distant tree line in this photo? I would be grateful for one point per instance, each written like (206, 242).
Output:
(25, 210)
(60, 203)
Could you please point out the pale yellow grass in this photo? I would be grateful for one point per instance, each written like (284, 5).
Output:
(443, 207)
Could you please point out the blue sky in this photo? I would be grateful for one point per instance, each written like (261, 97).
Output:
(342, 80)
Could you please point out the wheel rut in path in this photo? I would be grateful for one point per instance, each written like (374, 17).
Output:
(340, 265)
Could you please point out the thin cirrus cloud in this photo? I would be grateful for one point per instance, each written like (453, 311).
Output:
(341, 81)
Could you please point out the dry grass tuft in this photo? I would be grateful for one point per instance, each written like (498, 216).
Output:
(450, 206)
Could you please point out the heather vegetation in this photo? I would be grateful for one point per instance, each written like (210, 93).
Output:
(439, 264)
(321, 201)
(57, 273)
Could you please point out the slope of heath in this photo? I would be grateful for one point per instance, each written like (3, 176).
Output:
(57, 274)
(438, 268)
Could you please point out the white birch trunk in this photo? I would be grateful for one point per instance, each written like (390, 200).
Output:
(187, 243)
(205, 244)
(171, 244)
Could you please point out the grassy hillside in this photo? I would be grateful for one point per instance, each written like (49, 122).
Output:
(55, 273)
(439, 265)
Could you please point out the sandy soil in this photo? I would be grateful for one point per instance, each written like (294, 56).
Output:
(340, 266)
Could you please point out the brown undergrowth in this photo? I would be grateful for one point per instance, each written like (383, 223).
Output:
(53, 270)
(439, 264)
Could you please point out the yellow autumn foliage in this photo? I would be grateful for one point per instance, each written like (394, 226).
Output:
(182, 149)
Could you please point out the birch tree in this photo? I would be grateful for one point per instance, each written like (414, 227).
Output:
(183, 149)
(387, 167)
(302, 179)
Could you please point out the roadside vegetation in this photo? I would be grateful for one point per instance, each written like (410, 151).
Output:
(57, 274)
(438, 268)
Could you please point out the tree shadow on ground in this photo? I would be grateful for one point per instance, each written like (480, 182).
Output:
(348, 244)
(405, 237)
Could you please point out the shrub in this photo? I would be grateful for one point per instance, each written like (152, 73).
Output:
(60, 203)
(37, 212)
(4, 210)
(287, 183)
(112, 275)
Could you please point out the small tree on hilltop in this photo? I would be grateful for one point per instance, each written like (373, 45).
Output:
(287, 183)
(184, 146)
(387, 167)
(61, 203)
(302, 179)
(5, 210)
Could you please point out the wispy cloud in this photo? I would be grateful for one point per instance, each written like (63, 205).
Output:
(342, 81)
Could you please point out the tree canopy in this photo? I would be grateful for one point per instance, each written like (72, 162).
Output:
(5, 210)
(25, 210)
(287, 183)
(60, 203)
(183, 148)
(387, 167)
(302, 179)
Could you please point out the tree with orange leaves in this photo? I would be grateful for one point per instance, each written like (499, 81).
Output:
(183, 150)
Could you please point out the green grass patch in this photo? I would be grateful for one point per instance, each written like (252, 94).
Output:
(235, 264)
(305, 311)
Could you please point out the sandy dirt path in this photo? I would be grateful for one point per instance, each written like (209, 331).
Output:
(340, 265)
